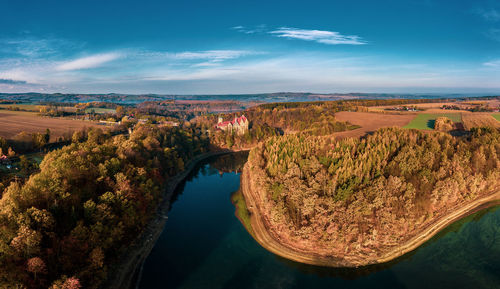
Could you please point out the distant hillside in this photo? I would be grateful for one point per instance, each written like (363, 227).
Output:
(262, 97)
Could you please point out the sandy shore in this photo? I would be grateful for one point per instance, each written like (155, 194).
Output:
(126, 272)
(271, 240)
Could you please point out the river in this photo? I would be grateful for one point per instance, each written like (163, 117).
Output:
(203, 245)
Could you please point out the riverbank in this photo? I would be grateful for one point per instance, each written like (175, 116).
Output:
(126, 272)
(271, 240)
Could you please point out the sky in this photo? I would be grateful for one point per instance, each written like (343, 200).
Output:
(229, 47)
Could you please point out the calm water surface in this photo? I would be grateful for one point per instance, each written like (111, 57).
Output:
(204, 245)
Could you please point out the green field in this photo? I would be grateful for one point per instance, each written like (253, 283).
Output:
(27, 107)
(426, 120)
(35, 107)
(496, 115)
(100, 110)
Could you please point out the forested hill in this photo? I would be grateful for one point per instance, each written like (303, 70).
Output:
(361, 197)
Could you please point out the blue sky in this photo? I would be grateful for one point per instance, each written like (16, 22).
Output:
(214, 47)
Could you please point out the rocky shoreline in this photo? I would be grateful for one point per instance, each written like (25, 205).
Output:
(271, 240)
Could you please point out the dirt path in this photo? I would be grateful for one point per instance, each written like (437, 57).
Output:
(271, 240)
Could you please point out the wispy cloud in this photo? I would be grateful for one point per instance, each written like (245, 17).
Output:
(257, 29)
(89, 61)
(193, 58)
(36, 47)
(306, 72)
(492, 15)
(321, 36)
(493, 34)
(11, 81)
(493, 63)
(213, 55)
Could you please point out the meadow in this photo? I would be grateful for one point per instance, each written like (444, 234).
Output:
(100, 110)
(426, 120)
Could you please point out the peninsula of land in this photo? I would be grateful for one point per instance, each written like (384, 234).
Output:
(360, 202)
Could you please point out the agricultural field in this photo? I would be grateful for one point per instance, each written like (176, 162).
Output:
(100, 110)
(369, 122)
(34, 107)
(14, 122)
(426, 120)
(437, 107)
(26, 107)
(471, 120)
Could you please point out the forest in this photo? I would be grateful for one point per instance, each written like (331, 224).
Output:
(267, 121)
(78, 211)
(362, 197)
(67, 223)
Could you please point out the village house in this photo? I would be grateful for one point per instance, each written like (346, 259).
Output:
(238, 124)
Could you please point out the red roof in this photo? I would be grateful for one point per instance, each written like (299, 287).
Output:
(238, 120)
(241, 119)
(224, 123)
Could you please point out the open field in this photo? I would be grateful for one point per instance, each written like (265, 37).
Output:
(370, 122)
(427, 107)
(14, 122)
(496, 115)
(28, 107)
(36, 108)
(462, 106)
(100, 110)
(471, 120)
(426, 120)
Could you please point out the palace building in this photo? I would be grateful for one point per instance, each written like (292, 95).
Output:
(238, 124)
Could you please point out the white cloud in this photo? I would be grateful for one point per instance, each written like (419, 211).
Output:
(494, 63)
(321, 36)
(191, 58)
(89, 61)
(493, 34)
(213, 55)
(328, 73)
(35, 47)
(488, 15)
(256, 29)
